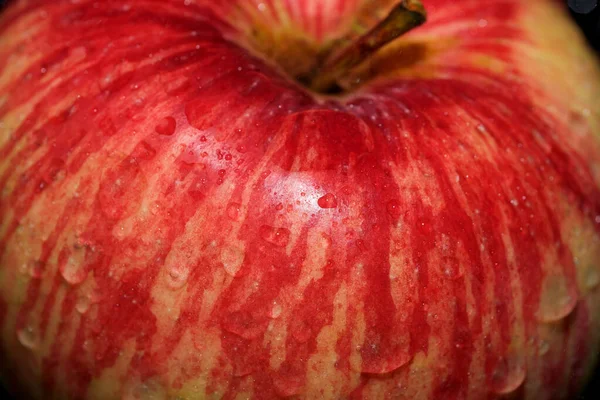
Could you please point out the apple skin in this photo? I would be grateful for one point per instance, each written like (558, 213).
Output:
(180, 220)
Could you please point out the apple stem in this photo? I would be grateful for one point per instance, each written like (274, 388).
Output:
(404, 17)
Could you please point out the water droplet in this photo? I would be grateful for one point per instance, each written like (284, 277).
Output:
(146, 390)
(232, 258)
(301, 330)
(279, 207)
(277, 236)
(452, 269)
(380, 358)
(544, 346)
(243, 324)
(36, 269)
(325, 241)
(73, 272)
(514, 202)
(166, 126)
(592, 277)
(508, 374)
(28, 337)
(481, 128)
(557, 299)
(83, 304)
(578, 122)
(177, 276)
(106, 81)
(193, 152)
(94, 295)
(152, 390)
(327, 201)
(233, 211)
(393, 208)
(276, 310)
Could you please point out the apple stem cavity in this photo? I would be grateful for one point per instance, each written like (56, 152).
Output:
(404, 17)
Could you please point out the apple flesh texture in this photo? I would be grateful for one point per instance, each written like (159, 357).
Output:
(180, 220)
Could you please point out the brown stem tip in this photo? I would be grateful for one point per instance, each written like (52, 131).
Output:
(404, 17)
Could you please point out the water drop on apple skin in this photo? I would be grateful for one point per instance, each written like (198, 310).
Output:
(232, 258)
(72, 273)
(28, 337)
(452, 269)
(82, 304)
(177, 277)
(276, 236)
(393, 208)
(328, 201)
(276, 310)
(557, 299)
(166, 126)
(144, 390)
(508, 374)
(592, 277)
(36, 269)
(233, 211)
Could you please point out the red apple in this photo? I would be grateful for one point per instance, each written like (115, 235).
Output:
(258, 199)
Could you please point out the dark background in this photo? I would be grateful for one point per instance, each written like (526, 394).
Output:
(586, 13)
